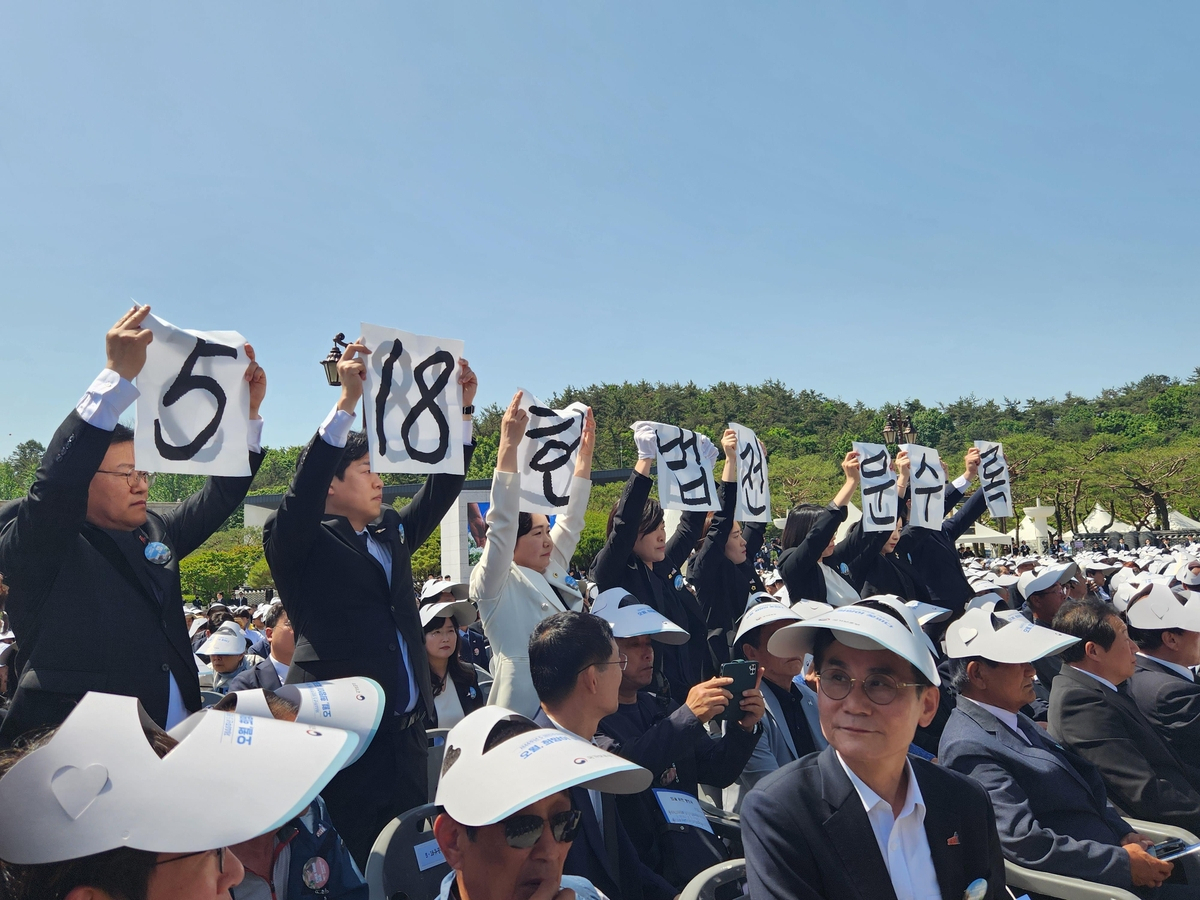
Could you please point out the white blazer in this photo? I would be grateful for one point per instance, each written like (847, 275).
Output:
(513, 599)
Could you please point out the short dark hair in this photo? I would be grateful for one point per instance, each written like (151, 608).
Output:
(272, 614)
(1088, 619)
(652, 517)
(561, 647)
(825, 638)
(1147, 638)
(356, 449)
(122, 434)
(799, 523)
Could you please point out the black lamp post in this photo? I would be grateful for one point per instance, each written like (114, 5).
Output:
(330, 362)
(899, 428)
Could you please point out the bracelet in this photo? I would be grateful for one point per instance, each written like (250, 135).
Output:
(469, 410)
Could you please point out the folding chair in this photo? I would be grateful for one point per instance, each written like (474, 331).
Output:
(704, 886)
(437, 749)
(405, 862)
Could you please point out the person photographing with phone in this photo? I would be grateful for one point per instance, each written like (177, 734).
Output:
(671, 739)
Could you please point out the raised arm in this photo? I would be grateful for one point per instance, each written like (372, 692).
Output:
(491, 574)
(608, 568)
(568, 525)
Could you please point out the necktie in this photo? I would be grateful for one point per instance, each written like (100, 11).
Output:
(366, 544)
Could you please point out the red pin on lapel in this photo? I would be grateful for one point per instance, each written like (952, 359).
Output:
(952, 841)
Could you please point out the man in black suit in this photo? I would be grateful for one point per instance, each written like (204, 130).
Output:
(270, 672)
(1052, 810)
(344, 572)
(90, 570)
(861, 820)
(576, 669)
(932, 552)
(1166, 629)
(1091, 715)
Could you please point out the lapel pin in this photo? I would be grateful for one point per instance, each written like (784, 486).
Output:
(158, 553)
(952, 841)
(976, 890)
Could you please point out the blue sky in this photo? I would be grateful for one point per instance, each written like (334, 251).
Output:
(874, 201)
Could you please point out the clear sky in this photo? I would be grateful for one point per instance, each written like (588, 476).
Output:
(872, 200)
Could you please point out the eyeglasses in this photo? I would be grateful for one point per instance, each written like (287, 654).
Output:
(220, 851)
(622, 660)
(880, 689)
(133, 476)
(522, 832)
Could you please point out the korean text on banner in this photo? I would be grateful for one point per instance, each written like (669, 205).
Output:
(927, 487)
(685, 473)
(546, 454)
(993, 478)
(754, 492)
(880, 500)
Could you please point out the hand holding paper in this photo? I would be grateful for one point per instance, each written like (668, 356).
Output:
(352, 372)
(126, 342)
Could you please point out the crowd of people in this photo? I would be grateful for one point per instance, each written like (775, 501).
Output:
(858, 713)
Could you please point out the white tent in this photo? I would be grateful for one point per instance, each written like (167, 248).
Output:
(1098, 518)
(1177, 521)
(981, 534)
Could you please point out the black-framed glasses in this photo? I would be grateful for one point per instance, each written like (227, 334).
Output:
(220, 851)
(133, 477)
(880, 689)
(622, 661)
(522, 832)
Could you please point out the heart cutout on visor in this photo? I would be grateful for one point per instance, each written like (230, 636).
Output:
(76, 789)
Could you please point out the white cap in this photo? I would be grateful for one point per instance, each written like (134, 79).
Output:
(759, 597)
(638, 619)
(762, 614)
(191, 609)
(771, 577)
(98, 784)
(1161, 608)
(1005, 581)
(353, 704)
(605, 602)
(810, 609)
(983, 600)
(197, 623)
(1012, 639)
(227, 640)
(259, 610)
(463, 612)
(481, 787)
(1126, 574)
(863, 628)
(1184, 574)
(1039, 579)
(1121, 596)
(436, 588)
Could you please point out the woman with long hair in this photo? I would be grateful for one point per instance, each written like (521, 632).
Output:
(522, 575)
(456, 690)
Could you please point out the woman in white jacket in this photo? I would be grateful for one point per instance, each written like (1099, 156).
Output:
(522, 576)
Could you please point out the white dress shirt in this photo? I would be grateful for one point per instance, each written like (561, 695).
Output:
(281, 669)
(1008, 718)
(101, 407)
(1183, 671)
(1104, 681)
(901, 838)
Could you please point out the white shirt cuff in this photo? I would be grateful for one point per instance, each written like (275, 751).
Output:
(962, 482)
(335, 430)
(468, 431)
(108, 397)
(254, 436)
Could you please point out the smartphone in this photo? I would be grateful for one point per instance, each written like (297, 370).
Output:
(744, 673)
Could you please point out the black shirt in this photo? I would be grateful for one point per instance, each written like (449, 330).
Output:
(793, 713)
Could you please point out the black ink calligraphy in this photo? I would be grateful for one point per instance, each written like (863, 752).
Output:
(427, 404)
(874, 468)
(685, 442)
(542, 460)
(186, 382)
(754, 481)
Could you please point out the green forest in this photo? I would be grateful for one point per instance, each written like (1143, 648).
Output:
(1133, 449)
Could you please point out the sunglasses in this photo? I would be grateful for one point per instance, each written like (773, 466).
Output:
(522, 832)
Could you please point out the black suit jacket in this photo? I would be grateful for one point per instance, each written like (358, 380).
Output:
(807, 835)
(1144, 776)
(260, 675)
(1172, 705)
(89, 612)
(345, 615)
(934, 557)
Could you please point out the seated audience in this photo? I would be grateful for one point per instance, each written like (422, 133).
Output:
(861, 818)
(226, 651)
(1145, 778)
(672, 741)
(508, 810)
(455, 684)
(271, 672)
(576, 669)
(1051, 806)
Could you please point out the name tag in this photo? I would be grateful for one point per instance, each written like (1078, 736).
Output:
(429, 854)
(680, 808)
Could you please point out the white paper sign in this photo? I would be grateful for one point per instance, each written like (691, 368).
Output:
(414, 402)
(429, 854)
(685, 477)
(546, 454)
(880, 500)
(993, 478)
(680, 808)
(193, 408)
(927, 487)
(754, 494)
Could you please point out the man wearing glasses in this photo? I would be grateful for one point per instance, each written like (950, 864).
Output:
(861, 819)
(82, 540)
(576, 669)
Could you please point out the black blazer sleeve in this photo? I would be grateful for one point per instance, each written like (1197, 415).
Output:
(858, 549)
(720, 761)
(717, 535)
(754, 533)
(36, 535)
(797, 562)
(777, 856)
(608, 569)
(658, 747)
(289, 534)
(195, 519)
(683, 541)
(965, 517)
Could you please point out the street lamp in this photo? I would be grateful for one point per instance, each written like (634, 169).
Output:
(330, 362)
(898, 426)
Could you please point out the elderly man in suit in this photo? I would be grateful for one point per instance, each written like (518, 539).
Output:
(861, 820)
(1052, 810)
(343, 564)
(1091, 715)
(90, 569)
(791, 724)
(1166, 628)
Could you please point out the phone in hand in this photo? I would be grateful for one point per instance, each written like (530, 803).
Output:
(744, 673)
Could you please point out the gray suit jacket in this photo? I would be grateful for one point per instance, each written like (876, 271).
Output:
(775, 748)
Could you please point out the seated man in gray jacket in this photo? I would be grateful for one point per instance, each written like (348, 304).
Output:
(791, 725)
(1051, 804)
